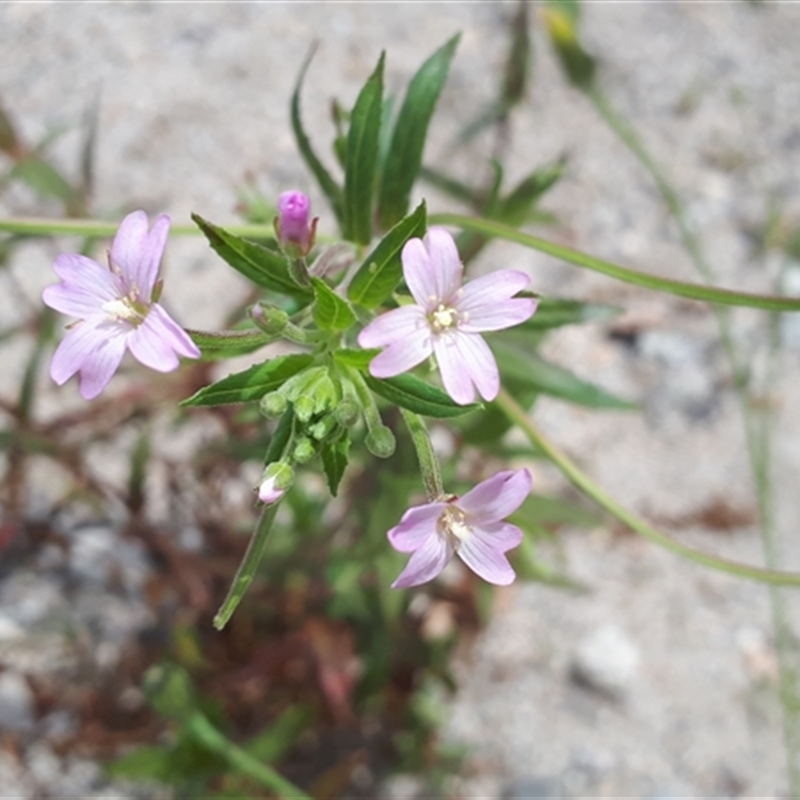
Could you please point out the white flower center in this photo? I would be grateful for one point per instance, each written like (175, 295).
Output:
(443, 318)
(452, 526)
(126, 309)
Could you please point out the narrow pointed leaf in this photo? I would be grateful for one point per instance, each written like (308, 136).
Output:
(252, 384)
(414, 394)
(408, 140)
(554, 312)
(708, 294)
(329, 187)
(382, 270)
(356, 358)
(226, 344)
(331, 312)
(362, 157)
(261, 266)
(334, 461)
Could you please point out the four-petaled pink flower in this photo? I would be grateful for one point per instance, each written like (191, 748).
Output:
(447, 318)
(116, 308)
(471, 526)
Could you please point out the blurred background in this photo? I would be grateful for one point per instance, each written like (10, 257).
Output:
(616, 670)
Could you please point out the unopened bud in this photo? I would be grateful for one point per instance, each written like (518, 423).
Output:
(380, 442)
(304, 450)
(319, 430)
(271, 320)
(295, 233)
(273, 404)
(277, 478)
(346, 412)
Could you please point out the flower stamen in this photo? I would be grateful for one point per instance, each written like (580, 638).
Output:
(443, 318)
(452, 526)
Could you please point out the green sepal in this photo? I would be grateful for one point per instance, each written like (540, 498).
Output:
(414, 394)
(227, 344)
(362, 157)
(261, 266)
(330, 188)
(331, 312)
(408, 139)
(252, 384)
(382, 269)
(334, 456)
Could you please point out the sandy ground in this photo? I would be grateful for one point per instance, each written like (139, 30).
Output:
(194, 99)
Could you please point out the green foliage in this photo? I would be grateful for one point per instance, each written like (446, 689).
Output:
(227, 344)
(362, 156)
(408, 139)
(408, 391)
(382, 269)
(331, 312)
(263, 267)
(252, 384)
(334, 456)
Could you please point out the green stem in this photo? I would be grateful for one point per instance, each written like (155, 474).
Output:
(428, 463)
(708, 294)
(578, 478)
(99, 229)
(239, 759)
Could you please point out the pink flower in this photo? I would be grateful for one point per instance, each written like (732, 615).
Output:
(447, 319)
(268, 492)
(472, 527)
(277, 478)
(292, 223)
(116, 308)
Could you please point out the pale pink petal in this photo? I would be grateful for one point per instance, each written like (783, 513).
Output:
(503, 535)
(393, 326)
(150, 345)
(86, 286)
(454, 372)
(402, 356)
(444, 261)
(98, 370)
(426, 563)
(173, 334)
(268, 493)
(419, 274)
(416, 525)
(128, 245)
(487, 304)
(465, 359)
(152, 253)
(72, 301)
(479, 553)
(494, 499)
(79, 345)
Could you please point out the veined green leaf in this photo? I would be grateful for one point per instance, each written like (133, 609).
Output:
(331, 312)
(362, 157)
(355, 358)
(226, 344)
(408, 140)
(263, 267)
(252, 384)
(551, 379)
(381, 271)
(330, 188)
(334, 461)
(708, 294)
(414, 394)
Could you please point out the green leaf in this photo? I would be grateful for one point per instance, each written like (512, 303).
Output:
(708, 294)
(516, 207)
(362, 157)
(382, 269)
(263, 267)
(547, 378)
(356, 358)
(334, 461)
(414, 394)
(330, 188)
(331, 312)
(226, 344)
(252, 384)
(43, 178)
(408, 139)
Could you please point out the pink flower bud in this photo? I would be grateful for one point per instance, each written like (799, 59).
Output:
(292, 224)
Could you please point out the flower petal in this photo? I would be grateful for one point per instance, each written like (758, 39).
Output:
(503, 535)
(402, 356)
(393, 326)
(486, 560)
(150, 344)
(138, 253)
(465, 359)
(445, 262)
(494, 499)
(86, 286)
(416, 525)
(173, 334)
(487, 303)
(419, 274)
(426, 563)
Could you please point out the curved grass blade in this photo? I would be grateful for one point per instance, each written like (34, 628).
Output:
(707, 294)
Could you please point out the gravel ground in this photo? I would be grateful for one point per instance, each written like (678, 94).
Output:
(659, 679)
